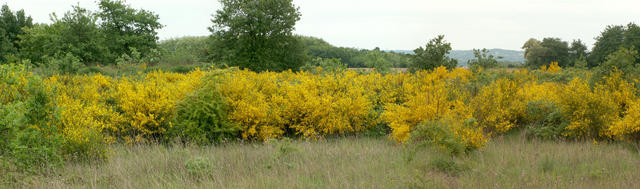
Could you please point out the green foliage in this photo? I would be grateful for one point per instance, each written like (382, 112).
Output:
(611, 39)
(93, 37)
(184, 50)
(135, 57)
(351, 57)
(257, 35)
(27, 121)
(67, 64)
(332, 65)
(545, 119)
(201, 117)
(549, 50)
(76, 32)
(11, 26)
(126, 28)
(198, 167)
(448, 165)
(577, 52)
(581, 62)
(439, 136)
(624, 60)
(482, 59)
(379, 61)
(433, 55)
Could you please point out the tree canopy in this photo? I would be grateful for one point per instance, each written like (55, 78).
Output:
(611, 39)
(93, 37)
(257, 35)
(11, 26)
(433, 55)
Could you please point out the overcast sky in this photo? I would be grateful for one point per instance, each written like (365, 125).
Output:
(398, 24)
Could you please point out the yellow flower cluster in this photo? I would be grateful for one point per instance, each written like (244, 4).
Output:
(96, 110)
(552, 68)
(269, 105)
(133, 109)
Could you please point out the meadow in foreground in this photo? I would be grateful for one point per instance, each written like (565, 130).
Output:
(353, 162)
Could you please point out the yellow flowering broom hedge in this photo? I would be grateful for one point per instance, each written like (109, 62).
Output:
(92, 111)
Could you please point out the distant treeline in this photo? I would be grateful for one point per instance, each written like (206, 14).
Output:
(252, 35)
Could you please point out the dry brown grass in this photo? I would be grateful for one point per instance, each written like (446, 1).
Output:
(506, 162)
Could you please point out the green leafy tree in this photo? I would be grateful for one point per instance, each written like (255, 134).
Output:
(576, 51)
(623, 59)
(539, 53)
(185, 49)
(77, 32)
(11, 26)
(257, 34)
(557, 51)
(126, 28)
(611, 39)
(483, 59)
(433, 55)
(581, 62)
(378, 61)
(329, 65)
(533, 52)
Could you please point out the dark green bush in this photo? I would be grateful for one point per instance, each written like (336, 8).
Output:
(201, 117)
(438, 135)
(545, 120)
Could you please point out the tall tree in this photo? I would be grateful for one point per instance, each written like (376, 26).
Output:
(257, 34)
(533, 52)
(557, 51)
(77, 33)
(577, 50)
(11, 26)
(433, 55)
(127, 28)
(483, 59)
(611, 39)
(549, 50)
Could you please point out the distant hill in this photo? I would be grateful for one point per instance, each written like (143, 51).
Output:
(465, 55)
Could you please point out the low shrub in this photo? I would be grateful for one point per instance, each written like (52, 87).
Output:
(202, 116)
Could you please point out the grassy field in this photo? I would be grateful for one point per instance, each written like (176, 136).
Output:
(506, 162)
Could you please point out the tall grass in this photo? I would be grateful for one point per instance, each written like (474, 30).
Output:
(506, 162)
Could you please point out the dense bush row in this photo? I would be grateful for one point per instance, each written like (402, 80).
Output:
(67, 117)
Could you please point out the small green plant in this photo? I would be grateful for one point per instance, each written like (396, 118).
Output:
(439, 136)
(198, 167)
(448, 165)
(67, 64)
(547, 164)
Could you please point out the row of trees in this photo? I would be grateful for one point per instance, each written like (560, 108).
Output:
(257, 34)
(253, 34)
(575, 54)
(115, 31)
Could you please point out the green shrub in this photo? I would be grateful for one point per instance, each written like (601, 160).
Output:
(436, 134)
(29, 135)
(67, 64)
(201, 117)
(198, 167)
(545, 120)
(448, 165)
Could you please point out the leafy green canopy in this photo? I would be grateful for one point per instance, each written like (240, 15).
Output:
(99, 37)
(612, 39)
(257, 34)
(11, 26)
(433, 55)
